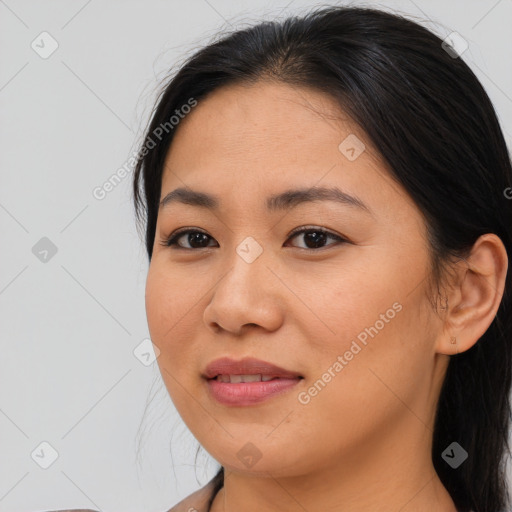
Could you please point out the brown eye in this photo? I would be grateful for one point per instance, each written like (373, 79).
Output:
(315, 238)
(194, 238)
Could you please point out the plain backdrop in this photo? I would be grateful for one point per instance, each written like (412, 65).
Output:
(78, 392)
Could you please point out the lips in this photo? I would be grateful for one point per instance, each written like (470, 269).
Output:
(247, 382)
(226, 367)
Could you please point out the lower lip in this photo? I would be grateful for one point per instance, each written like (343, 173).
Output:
(248, 393)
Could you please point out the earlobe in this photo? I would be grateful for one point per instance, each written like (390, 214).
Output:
(453, 341)
(474, 299)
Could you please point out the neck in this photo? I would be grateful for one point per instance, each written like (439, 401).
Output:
(278, 494)
(391, 476)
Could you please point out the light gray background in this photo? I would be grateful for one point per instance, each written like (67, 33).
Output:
(68, 375)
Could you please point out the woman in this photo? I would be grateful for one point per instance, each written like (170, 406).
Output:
(326, 218)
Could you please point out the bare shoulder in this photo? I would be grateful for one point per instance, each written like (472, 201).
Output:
(197, 501)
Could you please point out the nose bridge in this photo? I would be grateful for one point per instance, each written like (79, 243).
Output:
(249, 250)
(247, 267)
(244, 295)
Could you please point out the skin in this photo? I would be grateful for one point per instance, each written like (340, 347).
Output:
(363, 443)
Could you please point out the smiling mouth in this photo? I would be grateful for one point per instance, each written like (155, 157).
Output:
(248, 381)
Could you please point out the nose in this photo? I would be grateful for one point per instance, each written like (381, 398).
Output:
(247, 296)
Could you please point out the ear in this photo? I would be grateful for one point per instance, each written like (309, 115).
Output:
(474, 298)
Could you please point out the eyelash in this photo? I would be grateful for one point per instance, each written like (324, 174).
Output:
(171, 241)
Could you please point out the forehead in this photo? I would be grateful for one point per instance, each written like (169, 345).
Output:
(264, 137)
(264, 116)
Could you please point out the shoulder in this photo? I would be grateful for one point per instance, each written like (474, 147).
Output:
(197, 501)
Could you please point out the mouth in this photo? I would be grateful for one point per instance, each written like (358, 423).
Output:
(247, 382)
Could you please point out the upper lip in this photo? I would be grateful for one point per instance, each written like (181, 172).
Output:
(246, 366)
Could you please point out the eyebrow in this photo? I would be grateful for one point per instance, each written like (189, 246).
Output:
(282, 201)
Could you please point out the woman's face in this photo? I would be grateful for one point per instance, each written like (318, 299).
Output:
(350, 315)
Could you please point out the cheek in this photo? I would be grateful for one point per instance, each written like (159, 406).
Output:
(168, 298)
(367, 395)
(373, 301)
(375, 366)
(374, 327)
(163, 310)
(356, 308)
(158, 306)
(167, 306)
(174, 315)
